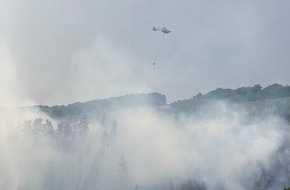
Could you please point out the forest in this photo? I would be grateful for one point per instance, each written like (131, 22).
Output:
(225, 139)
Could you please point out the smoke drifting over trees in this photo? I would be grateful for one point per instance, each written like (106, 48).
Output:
(57, 54)
(146, 147)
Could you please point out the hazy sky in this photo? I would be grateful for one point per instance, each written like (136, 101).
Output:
(60, 51)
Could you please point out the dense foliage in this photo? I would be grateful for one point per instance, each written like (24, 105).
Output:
(104, 105)
(255, 101)
(91, 159)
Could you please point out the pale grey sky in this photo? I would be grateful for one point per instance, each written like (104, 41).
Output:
(59, 51)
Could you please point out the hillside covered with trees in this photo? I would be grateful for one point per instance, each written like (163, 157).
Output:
(104, 105)
(255, 100)
(222, 140)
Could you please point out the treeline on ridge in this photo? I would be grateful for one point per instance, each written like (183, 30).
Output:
(249, 93)
(256, 100)
(105, 105)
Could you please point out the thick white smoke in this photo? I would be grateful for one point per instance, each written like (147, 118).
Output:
(215, 151)
(144, 149)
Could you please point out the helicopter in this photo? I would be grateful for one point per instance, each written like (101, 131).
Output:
(162, 29)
